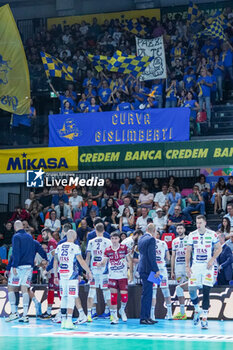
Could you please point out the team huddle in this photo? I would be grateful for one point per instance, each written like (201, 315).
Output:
(107, 266)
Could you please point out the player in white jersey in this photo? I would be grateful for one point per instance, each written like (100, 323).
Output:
(162, 254)
(205, 247)
(131, 243)
(65, 262)
(178, 272)
(95, 253)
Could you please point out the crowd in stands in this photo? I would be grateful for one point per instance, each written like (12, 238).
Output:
(197, 69)
(126, 208)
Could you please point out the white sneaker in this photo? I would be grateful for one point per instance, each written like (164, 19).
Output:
(196, 317)
(168, 317)
(57, 318)
(63, 323)
(81, 320)
(12, 317)
(123, 315)
(69, 325)
(114, 320)
(24, 319)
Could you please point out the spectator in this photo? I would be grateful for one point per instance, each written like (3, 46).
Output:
(75, 202)
(173, 182)
(104, 94)
(228, 194)
(160, 221)
(225, 227)
(227, 59)
(155, 188)
(219, 72)
(45, 200)
(176, 219)
(145, 198)
(83, 104)
(216, 199)
(106, 211)
(64, 98)
(35, 220)
(112, 222)
(126, 204)
(225, 260)
(174, 198)
(194, 203)
(171, 91)
(29, 200)
(123, 236)
(96, 193)
(63, 212)
(126, 221)
(19, 214)
(7, 234)
(83, 230)
(93, 107)
(204, 187)
(161, 197)
(91, 218)
(229, 214)
(205, 83)
(125, 188)
(110, 190)
(53, 222)
(137, 187)
(60, 195)
(86, 210)
(141, 222)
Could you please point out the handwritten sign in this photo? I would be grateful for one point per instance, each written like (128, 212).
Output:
(152, 47)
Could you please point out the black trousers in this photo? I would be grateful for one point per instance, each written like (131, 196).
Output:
(146, 299)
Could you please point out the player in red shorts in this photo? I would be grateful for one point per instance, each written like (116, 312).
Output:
(52, 245)
(117, 265)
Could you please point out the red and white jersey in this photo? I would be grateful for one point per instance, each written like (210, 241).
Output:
(179, 246)
(117, 261)
(96, 247)
(202, 245)
(66, 254)
(161, 250)
(52, 245)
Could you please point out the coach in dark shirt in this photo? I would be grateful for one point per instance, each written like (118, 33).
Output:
(224, 260)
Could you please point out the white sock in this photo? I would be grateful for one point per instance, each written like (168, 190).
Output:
(36, 302)
(196, 308)
(69, 318)
(204, 314)
(49, 310)
(81, 313)
(89, 312)
(63, 317)
(93, 310)
(25, 303)
(106, 311)
(182, 309)
(152, 312)
(12, 300)
(169, 310)
(114, 313)
(123, 305)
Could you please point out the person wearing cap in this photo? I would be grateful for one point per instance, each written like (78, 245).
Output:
(160, 221)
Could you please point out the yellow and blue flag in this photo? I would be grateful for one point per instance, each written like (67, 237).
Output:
(218, 16)
(130, 64)
(99, 61)
(14, 75)
(194, 14)
(215, 30)
(135, 27)
(56, 68)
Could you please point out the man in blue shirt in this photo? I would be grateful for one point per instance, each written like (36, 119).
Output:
(227, 59)
(204, 83)
(24, 249)
(104, 94)
(60, 195)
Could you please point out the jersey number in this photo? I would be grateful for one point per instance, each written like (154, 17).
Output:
(64, 252)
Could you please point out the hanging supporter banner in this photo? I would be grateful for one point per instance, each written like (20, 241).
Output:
(153, 47)
(102, 17)
(169, 154)
(109, 128)
(14, 76)
(14, 161)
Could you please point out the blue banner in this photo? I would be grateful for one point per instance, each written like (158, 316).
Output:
(111, 128)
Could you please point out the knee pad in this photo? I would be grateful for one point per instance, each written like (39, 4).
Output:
(70, 302)
(92, 293)
(166, 292)
(206, 298)
(154, 293)
(193, 295)
(63, 302)
(106, 294)
(124, 298)
(113, 298)
(50, 297)
(179, 291)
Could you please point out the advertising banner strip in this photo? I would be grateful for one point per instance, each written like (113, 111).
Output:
(119, 127)
(173, 154)
(58, 159)
(101, 17)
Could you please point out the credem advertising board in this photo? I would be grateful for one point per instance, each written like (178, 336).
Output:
(173, 154)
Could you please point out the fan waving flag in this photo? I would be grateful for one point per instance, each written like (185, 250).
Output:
(99, 62)
(124, 64)
(135, 27)
(56, 68)
(14, 75)
(194, 14)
